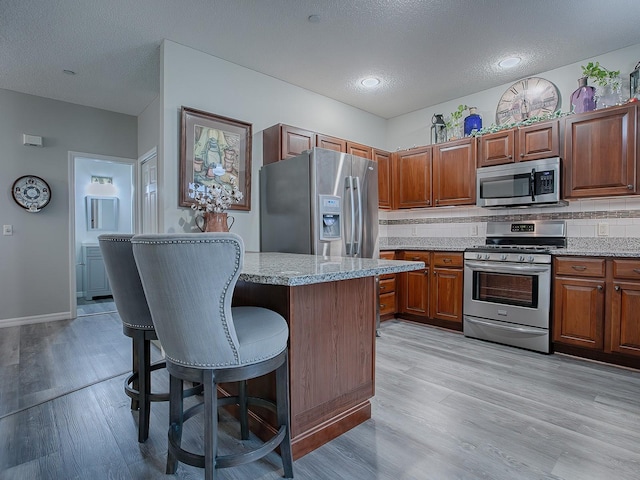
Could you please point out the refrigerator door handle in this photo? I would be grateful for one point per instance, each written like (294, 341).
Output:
(358, 242)
(350, 247)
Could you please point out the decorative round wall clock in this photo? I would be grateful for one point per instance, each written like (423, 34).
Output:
(31, 192)
(527, 98)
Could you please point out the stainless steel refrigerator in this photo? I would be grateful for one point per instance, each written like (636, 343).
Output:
(321, 202)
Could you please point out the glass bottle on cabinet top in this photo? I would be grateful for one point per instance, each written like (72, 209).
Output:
(583, 99)
(472, 122)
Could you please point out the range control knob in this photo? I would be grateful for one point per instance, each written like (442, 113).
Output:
(479, 256)
(487, 256)
(521, 258)
(503, 256)
(531, 258)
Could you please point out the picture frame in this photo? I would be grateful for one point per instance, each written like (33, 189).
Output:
(214, 150)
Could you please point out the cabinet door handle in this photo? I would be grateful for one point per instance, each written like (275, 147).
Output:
(446, 260)
(435, 273)
(629, 187)
(415, 259)
(599, 288)
(637, 270)
(509, 157)
(580, 268)
(437, 200)
(522, 155)
(426, 272)
(428, 202)
(617, 288)
(382, 287)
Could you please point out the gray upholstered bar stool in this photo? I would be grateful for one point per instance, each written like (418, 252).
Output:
(133, 310)
(189, 281)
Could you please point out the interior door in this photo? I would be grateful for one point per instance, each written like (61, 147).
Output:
(149, 190)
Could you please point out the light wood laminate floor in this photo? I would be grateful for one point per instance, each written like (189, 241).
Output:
(446, 407)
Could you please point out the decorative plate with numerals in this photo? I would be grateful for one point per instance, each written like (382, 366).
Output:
(31, 192)
(526, 98)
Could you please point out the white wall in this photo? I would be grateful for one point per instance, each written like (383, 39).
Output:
(35, 261)
(413, 129)
(149, 127)
(193, 79)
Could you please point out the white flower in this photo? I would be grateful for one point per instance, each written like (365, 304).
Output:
(216, 198)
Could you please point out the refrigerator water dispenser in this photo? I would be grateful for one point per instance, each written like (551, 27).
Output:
(330, 217)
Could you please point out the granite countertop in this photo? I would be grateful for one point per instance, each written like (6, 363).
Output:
(294, 269)
(586, 246)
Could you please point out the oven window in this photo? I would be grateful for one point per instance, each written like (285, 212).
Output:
(506, 289)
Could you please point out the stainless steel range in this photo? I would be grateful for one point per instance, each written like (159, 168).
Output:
(507, 283)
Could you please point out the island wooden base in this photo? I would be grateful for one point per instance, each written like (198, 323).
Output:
(331, 357)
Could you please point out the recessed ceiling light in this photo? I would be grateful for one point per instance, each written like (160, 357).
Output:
(370, 82)
(509, 62)
(69, 72)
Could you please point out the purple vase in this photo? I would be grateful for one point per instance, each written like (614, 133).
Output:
(583, 99)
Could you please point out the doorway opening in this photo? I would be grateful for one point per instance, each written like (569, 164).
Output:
(102, 199)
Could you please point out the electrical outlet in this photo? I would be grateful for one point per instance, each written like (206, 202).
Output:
(7, 230)
(474, 230)
(603, 229)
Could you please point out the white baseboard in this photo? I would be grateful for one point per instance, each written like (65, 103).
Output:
(50, 317)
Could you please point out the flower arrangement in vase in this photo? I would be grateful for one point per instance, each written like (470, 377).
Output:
(210, 203)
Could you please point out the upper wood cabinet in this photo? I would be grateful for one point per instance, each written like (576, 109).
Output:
(541, 140)
(538, 141)
(283, 141)
(359, 150)
(331, 143)
(600, 153)
(412, 178)
(383, 159)
(496, 148)
(454, 173)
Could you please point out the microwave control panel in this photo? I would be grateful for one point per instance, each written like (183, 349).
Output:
(544, 182)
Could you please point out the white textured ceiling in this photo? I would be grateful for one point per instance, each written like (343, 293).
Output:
(426, 51)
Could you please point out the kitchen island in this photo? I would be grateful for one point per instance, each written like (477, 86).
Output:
(330, 304)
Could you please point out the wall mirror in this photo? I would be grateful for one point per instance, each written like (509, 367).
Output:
(102, 213)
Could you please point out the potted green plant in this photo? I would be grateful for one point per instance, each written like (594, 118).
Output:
(609, 84)
(599, 74)
(454, 124)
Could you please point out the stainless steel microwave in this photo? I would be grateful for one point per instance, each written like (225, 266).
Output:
(522, 184)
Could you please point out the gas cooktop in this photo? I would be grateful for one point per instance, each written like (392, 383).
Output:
(520, 241)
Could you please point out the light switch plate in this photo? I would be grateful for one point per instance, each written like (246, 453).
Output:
(7, 230)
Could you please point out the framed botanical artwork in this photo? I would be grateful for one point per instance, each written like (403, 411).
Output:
(214, 150)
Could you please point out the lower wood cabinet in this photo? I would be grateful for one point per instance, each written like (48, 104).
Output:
(433, 295)
(596, 308)
(387, 290)
(625, 307)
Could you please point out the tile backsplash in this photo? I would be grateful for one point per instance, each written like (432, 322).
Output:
(602, 219)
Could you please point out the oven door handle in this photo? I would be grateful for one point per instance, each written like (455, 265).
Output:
(536, 331)
(501, 268)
